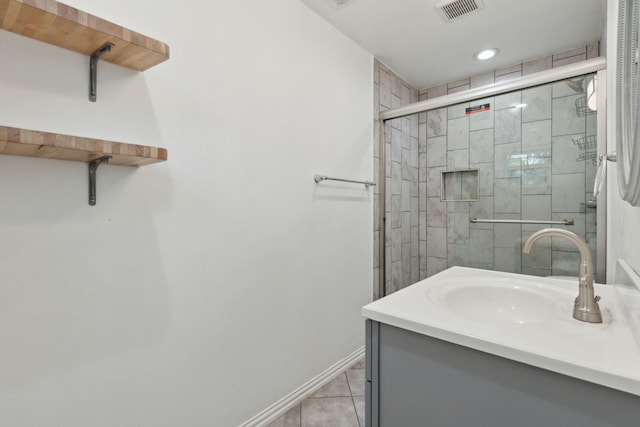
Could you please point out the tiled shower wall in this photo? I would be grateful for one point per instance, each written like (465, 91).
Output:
(419, 226)
(402, 251)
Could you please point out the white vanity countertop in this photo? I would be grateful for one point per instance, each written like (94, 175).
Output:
(605, 353)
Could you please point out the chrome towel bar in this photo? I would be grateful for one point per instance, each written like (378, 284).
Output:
(521, 221)
(318, 178)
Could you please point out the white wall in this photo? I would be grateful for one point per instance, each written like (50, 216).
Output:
(201, 290)
(623, 222)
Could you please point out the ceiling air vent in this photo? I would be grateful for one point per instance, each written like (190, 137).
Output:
(454, 9)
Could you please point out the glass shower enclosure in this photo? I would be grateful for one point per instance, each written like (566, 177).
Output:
(491, 172)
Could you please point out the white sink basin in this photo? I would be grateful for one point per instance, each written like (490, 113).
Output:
(500, 300)
(523, 318)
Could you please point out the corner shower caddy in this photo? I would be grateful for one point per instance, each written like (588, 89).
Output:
(64, 26)
(588, 146)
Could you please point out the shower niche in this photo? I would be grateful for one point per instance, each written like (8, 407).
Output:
(460, 186)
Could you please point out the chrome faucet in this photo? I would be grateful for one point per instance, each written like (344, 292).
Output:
(586, 306)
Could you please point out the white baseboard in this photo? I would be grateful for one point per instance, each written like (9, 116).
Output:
(279, 408)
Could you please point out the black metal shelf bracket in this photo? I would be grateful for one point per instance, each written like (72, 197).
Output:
(93, 70)
(93, 168)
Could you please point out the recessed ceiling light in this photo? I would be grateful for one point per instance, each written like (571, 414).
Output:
(486, 54)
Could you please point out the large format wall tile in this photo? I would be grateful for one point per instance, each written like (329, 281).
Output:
(436, 122)
(508, 260)
(507, 235)
(537, 65)
(540, 256)
(458, 133)
(436, 265)
(459, 85)
(396, 244)
(396, 211)
(458, 110)
(396, 178)
(406, 196)
(436, 242)
(434, 181)
(406, 227)
(481, 247)
(396, 277)
(437, 151)
(508, 126)
(535, 207)
(568, 192)
(536, 139)
(482, 80)
(507, 195)
(569, 60)
(536, 179)
(458, 255)
(564, 118)
(565, 154)
(406, 264)
(485, 177)
(508, 160)
(579, 227)
(508, 100)
(565, 263)
(562, 88)
(458, 160)
(461, 227)
(482, 209)
(507, 71)
(481, 120)
(481, 146)
(538, 103)
(396, 145)
(405, 142)
(423, 259)
(436, 212)
(385, 89)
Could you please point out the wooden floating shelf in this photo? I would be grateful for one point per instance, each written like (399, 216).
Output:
(64, 26)
(32, 143)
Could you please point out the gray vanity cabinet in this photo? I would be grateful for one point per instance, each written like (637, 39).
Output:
(415, 380)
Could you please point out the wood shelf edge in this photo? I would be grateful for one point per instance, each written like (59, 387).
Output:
(33, 143)
(64, 26)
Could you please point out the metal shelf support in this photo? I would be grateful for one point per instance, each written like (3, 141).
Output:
(93, 168)
(93, 70)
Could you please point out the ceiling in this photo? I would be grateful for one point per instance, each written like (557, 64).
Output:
(413, 39)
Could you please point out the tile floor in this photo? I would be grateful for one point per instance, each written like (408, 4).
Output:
(340, 403)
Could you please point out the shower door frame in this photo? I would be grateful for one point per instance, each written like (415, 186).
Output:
(595, 65)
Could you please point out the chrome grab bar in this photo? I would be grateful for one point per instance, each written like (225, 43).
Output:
(521, 221)
(318, 178)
